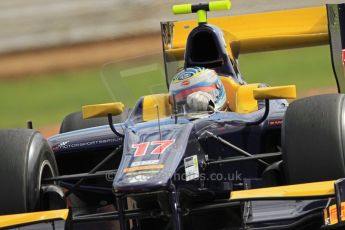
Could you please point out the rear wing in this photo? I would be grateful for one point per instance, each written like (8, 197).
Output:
(266, 32)
(263, 31)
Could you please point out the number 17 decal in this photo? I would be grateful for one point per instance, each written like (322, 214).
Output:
(141, 149)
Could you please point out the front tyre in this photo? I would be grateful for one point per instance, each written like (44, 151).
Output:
(313, 139)
(25, 160)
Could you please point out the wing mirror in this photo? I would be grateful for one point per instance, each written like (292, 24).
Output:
(102, 110)
(278, 92)
(268, 93)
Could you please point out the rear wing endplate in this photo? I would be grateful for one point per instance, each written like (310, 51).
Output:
(336, 28)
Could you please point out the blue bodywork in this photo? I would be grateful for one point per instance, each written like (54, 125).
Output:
(187, 133)
(189, 140)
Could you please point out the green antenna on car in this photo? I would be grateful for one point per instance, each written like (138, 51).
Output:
(201, 9)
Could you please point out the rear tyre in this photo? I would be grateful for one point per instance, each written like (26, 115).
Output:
(313, 138)
(25, 160)
(75, 121)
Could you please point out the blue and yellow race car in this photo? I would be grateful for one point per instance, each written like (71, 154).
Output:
(263, 164)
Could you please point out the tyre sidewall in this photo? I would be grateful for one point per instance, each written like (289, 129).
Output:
(39, 156)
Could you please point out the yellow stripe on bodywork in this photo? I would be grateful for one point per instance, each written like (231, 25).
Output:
(316, 189)
(263, 31)
(144, 167)
(33, 217)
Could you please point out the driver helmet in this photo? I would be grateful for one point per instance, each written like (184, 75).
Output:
(196, 79)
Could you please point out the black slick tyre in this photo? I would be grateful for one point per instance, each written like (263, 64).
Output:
(25, 160)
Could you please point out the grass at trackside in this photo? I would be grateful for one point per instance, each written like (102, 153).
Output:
(308, 68)
(46, 99)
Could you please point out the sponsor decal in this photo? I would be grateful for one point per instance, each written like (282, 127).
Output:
(188, 73)
(148, 162)
(331, 214)
(142, 172)
(68, 145)
(145, 167)
(191, 167)
(138, 178)
(63, 144)
(275, 122)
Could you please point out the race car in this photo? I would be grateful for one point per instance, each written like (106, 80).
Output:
(264, 164)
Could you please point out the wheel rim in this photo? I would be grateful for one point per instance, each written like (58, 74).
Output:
(46, 171)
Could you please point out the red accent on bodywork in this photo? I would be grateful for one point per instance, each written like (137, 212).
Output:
(162, 146)
(140, 149)
(275, 122)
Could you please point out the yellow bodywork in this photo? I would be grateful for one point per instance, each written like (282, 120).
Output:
(261, 31)
(245, 101)
(156, 105)
(144, 167)
(277, 92)
(240, 98)
(231, 87)
(34, 217)
(102, 110)
(316, 189)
